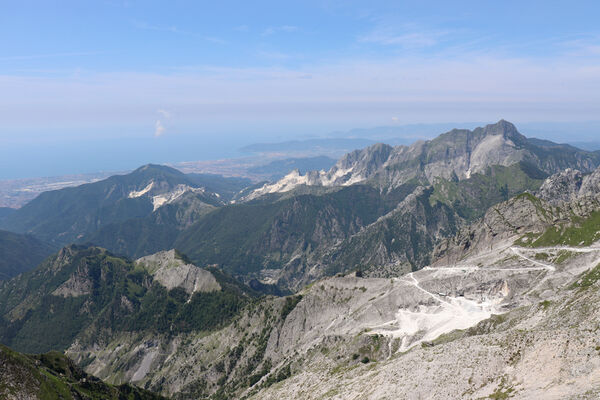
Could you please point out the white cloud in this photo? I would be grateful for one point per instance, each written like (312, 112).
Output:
(164, 113)
(160, 125)
(159, 129)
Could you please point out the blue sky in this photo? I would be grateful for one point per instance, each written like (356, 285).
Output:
(84, 71)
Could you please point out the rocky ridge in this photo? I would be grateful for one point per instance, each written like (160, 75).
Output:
(457, 154)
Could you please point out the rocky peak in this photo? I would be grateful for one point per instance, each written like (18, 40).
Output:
(506, 129)
(561, 187)
(369, 158)
(569, 185)
(591, 184)
(457, 154)
(359, 164)
(171, 269)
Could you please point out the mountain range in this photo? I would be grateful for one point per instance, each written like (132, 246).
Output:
(309, 225)
(464, 266)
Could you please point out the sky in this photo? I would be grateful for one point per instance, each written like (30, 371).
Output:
(181, 80)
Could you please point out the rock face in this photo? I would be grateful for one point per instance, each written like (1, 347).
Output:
(591, 184)
(569, 185)
(520, 215)
(561, 197)
(544, 351)
(171, 271)
(561, 187)
(457, 154)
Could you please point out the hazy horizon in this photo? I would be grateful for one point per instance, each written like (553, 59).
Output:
(115, 84)
(56, 158)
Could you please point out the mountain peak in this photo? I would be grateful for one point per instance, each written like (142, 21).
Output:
(156, 168)
(506, 129)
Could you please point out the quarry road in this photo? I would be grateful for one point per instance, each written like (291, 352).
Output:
(558, 248)
(517, 251)
(414, 282)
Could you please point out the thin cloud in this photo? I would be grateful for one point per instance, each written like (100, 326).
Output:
(406, 39)
(50, 55)
(587, 46)
(175, 30)
(413, 88)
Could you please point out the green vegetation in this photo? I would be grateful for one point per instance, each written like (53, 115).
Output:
(281, 375)
(404, 233)
(52, 376)
(226, 187)
(107, 295)
(290, 304)
(563, 255)
(545, 304)
(579, 232)
(588, 279)
(248, 237)
(472, 197)
(503, 391)
(20, 253)
(165, 311)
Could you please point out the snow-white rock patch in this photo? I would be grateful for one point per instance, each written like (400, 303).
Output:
(139, 193)
(169, 197)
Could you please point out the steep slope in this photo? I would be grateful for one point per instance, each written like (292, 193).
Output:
(294, 239)
(547, 349)
(20, 253)
(54, 376)
(252, 239)
(401, 241)
(528, 312)
(455, 155)
(62, 216)
(86, 293)
(567, 212)
(154, 232)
